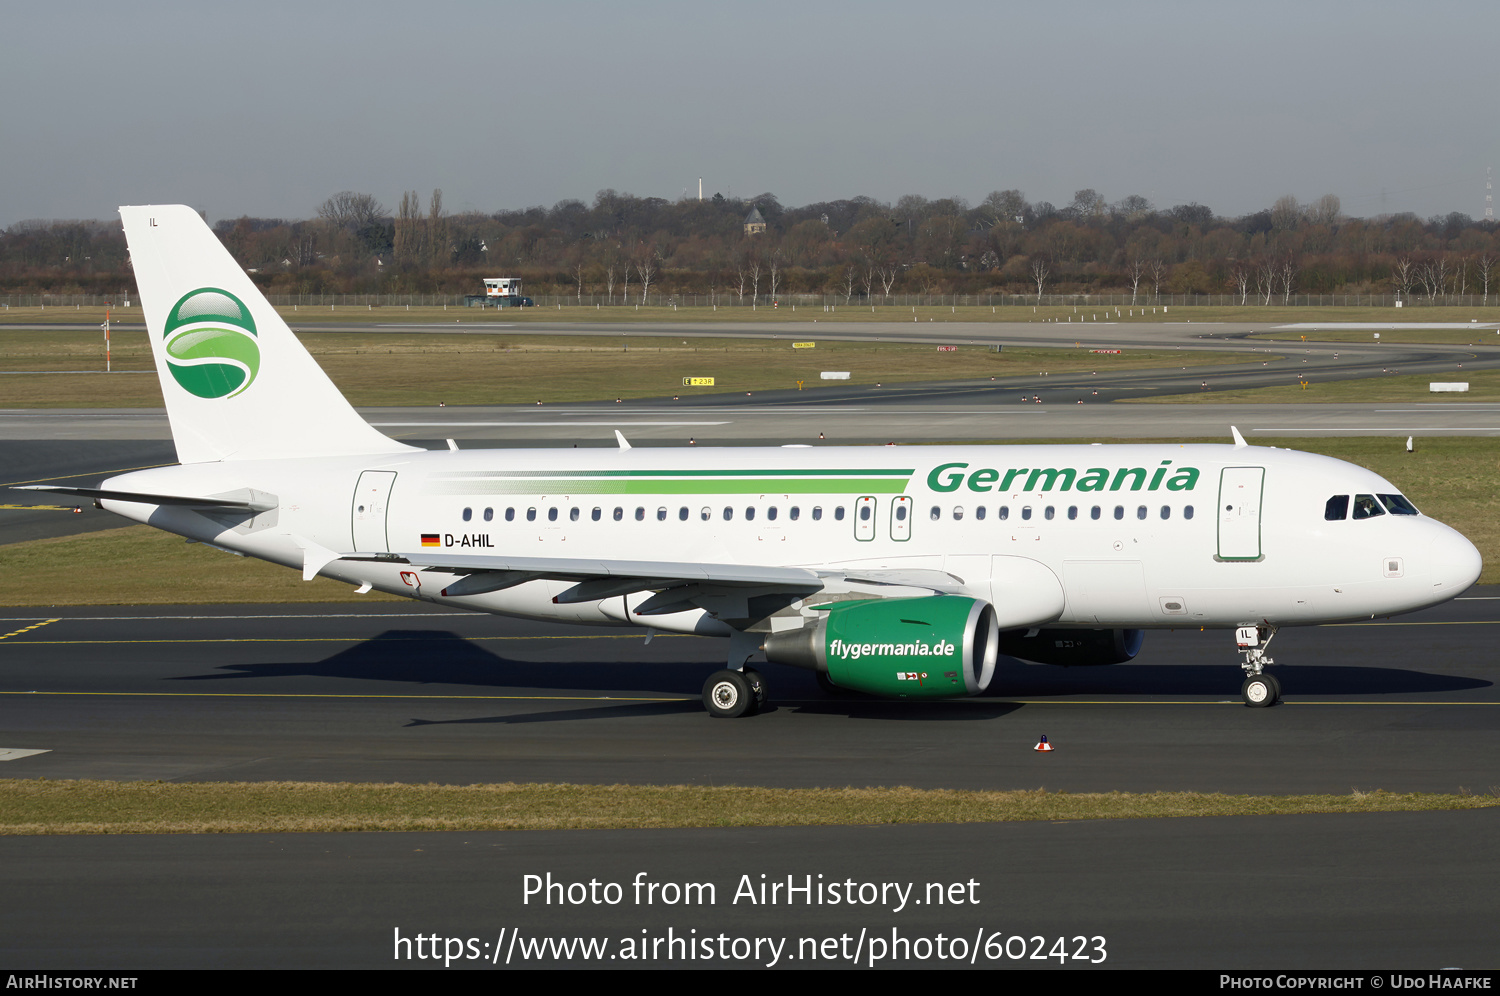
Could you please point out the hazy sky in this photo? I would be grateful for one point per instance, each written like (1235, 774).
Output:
(266, 108)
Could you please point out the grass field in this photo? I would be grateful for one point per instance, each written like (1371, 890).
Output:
(764, 314)
(83, 807)
(1451, 478)
(416, 369)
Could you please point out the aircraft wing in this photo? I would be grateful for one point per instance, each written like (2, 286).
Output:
(678, 584)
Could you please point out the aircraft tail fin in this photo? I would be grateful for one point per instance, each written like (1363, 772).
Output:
(237, 383)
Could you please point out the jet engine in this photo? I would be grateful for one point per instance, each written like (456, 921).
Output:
(937, 647)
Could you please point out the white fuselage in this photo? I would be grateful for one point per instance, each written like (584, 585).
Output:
(1194, 535)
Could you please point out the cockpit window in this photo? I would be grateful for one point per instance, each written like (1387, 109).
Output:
(1337, 508)
(1399, 505)
(1366, 507)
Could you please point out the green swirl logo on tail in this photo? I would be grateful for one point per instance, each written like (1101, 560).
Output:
(210, 343)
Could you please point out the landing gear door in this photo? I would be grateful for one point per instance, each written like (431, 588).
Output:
(371, 497)
(1240, 491)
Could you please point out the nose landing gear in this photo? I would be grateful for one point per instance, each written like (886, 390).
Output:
(1260, 689)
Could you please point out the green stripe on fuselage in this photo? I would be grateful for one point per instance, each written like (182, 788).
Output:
(577, 486)
(588, 474)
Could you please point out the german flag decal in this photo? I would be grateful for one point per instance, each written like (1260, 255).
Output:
(431, 539)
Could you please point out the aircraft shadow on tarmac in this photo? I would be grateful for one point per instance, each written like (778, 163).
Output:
(442, 658)
(1218, 679)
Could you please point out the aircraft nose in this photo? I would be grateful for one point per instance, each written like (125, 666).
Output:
(1456, 562)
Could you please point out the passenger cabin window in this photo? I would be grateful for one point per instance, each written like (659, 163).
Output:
(682, 514)
(728, 513)
(749, 512)
(552, 515)
(1366, 507)
(838, 514)
(1004, 512)
(619, 513)
(771, 513)
(596, 513)
(510, 515)
(1026, 512)
(640, 513)
(817, 513)
(1337, 508)
(1187, 511)
(936, 513)
(1095, 512)
(1119, 511)
(958, 511)
(795, 513)
(1050, 512)
(489, 515)
(531, 515)
(979, 512)
(1072, 511)
(468, 514)
(661, 514)
(573, 515)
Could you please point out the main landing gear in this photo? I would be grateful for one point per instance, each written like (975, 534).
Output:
(1260, 689)
(729, 694)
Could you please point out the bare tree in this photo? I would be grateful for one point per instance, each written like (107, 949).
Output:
(645, 266)
(741, 270)
(1401, 276)
(1158, 270)
(1239, 273)
(438, 249)
(848, 283)
(1484, 265)
(1136, 271)
(1287, 273)
(1434, 274)
(1039, 273)
(1265, 279)
(753, 265)
(347, 209)
(408, 240)
(888, 273)
(773, 261)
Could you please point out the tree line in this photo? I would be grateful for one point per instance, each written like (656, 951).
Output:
(622, 247)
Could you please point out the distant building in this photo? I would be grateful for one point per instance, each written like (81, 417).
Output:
(502, 287)
(754, 223)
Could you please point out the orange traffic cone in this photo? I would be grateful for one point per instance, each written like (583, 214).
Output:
(1044, 745)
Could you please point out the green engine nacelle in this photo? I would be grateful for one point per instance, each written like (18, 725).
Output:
(936, 647)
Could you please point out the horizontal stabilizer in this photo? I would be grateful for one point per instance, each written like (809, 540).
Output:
(100, 494)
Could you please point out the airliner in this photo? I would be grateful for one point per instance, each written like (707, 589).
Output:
(895, 571)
